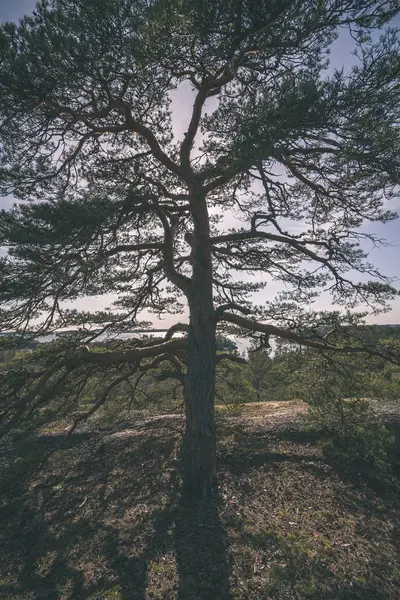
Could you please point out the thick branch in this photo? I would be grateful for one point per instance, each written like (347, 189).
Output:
(165, 192)
(131, 355)
(176, 328)
(155, 147)
(314, 186)
(255, 326)
(239, 167)
(210, 87)
(254, 234)
(157, 361)
(231, 306)
(190, 135)
(85, 356)
(179, 280)
(171, 358)
(232, 357)
(171, 375)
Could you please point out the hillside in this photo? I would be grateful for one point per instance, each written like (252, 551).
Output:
(113, 524)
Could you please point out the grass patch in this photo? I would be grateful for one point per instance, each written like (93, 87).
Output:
(284, 524)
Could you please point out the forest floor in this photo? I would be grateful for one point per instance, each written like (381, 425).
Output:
(105, 518)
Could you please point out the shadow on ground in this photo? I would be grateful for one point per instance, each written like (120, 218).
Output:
(308, 530)
(114, 524)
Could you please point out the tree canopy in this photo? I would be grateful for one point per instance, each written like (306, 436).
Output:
(282, 162)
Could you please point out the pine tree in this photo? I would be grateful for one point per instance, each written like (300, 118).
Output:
(112, 202)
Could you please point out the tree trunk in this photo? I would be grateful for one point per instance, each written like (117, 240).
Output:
(198, 448)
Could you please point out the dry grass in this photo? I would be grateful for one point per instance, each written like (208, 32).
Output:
(115, 525)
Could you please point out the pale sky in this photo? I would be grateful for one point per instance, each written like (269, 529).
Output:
(387, 259)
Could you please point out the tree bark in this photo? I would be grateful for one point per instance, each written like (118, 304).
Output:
(198, 447)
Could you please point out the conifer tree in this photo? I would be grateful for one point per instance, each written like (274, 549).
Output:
(282, 162)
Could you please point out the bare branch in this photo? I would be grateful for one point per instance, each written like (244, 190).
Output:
(102, 398)
(132, 248)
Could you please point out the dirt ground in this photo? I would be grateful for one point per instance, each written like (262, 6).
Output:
(105, 518)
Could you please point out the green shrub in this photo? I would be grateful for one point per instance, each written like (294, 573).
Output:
(354, 442)
(331, 411)
(361, 449)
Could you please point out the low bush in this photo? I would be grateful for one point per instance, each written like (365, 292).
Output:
(362, 450)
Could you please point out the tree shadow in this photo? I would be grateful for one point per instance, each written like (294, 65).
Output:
(201, 548)
(302, 573)
(89, 489)
(303, 543)
(115, 523)
(190, 531)
(241, 462)
(255, 449)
